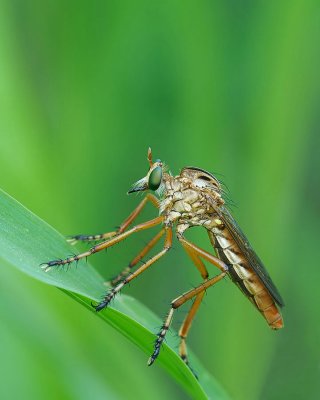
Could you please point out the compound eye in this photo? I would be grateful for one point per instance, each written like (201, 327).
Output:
(155, 178)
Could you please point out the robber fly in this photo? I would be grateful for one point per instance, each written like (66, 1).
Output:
(192, 198)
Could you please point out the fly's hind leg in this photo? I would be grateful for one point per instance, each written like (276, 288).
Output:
(179, 301)
(195, 253)
(191, 248)
(103, 236)
(186, 325)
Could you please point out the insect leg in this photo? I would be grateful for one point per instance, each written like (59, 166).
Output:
(149, 197)
(104, 245)
(183, 332)
(112, 293)
(179, 301)
(185, 327)
(135, 261)
(203, 253)
(90, 238)
(198, 262)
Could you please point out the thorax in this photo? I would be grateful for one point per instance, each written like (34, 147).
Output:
(186, 204)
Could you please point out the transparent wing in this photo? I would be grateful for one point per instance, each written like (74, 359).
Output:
(249, 253)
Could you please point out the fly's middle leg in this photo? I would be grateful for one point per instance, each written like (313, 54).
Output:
(126, 271)
(110, 295)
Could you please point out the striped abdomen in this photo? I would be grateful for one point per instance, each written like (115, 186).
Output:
(244, 276)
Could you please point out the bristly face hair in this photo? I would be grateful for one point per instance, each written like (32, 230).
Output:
(194, 197)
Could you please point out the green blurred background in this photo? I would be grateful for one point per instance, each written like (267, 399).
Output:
(231, 87)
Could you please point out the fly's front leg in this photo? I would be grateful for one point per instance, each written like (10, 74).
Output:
(91, 238)
(113, 292)
(104, 245)
(179, 301)
(103, 236)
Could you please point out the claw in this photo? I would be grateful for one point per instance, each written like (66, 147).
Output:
(153, 356)
(72, 241)
(150, 361)
(46, 267)
(184, 358)
(193, 371)
(100, 306)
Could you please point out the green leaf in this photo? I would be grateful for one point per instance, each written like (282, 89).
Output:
(26, 241)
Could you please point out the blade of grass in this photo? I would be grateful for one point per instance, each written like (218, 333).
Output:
(26, 241)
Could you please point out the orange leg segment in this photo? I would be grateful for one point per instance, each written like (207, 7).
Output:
(195, 253)
(112, 293)
(179, 301)
(104, 245)
(202, 253)
(197, 261)
(149, 197)
(186, 325)
(183, 332)
(139, 257)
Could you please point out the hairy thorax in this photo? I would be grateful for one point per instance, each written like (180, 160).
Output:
(187, 204)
